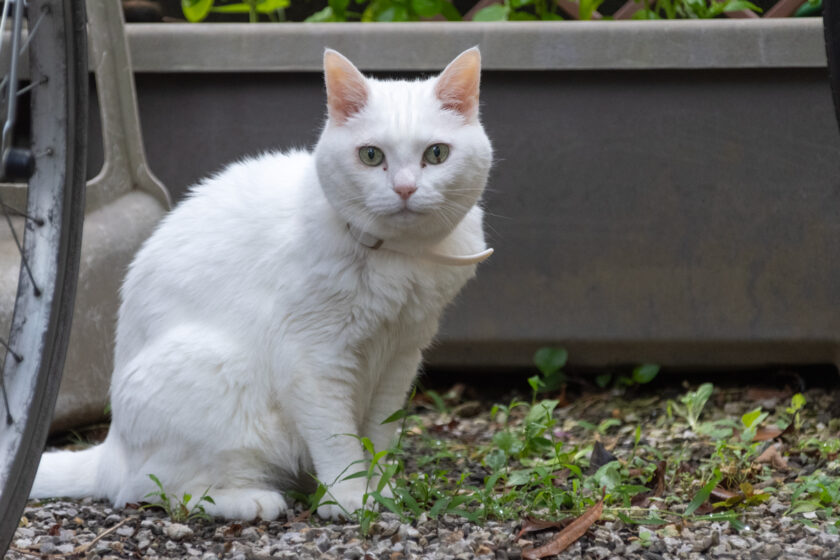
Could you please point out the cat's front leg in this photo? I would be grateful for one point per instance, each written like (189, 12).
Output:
(388, 397)
(327, 422)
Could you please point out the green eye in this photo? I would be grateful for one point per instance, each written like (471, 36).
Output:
(371, 155)
(436, 153)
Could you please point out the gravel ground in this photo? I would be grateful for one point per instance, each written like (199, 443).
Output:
(93, 529)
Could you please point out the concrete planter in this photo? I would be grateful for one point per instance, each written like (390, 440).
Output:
(664, 191)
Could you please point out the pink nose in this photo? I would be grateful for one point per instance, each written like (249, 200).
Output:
(405, 191)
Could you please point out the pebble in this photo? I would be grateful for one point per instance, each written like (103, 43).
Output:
(178, 531)
(125, 531)
(59, 527)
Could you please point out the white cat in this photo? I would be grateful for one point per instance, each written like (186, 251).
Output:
(287, 300)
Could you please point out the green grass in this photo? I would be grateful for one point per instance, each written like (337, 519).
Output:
(537, 462)
(178, 509)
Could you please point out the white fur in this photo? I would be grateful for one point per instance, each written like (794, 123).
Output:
(254, 330)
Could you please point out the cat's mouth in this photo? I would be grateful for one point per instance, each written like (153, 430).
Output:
(404, 213)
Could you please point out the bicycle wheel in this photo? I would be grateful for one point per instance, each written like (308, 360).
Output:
(43, 304)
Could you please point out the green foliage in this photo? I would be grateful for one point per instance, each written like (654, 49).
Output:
(817, 492)
(692, 403)
(641, 374)
(586, 7)
(178, 509)
(522, 10)
(703, 494)
(793, 413)
(691, 9)
(751, 421)
(198, 10)
(809, 9)
(550, 362)
(414, 10)
(529, 467)
(385, 10)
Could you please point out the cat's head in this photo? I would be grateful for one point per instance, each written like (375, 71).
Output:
(403, 160)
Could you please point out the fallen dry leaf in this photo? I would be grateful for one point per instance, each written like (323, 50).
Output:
(658, 483)
(764, 394)
(532, 525)
(704, 509)
(233, 530)
(567, 536)
(767, 433)
(773, 457)
(659, 480)
(722, 494)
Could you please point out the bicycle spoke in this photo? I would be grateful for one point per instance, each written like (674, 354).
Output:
(3, 20)
(20, 248)
(18, 358)
(15, 212)
(24, 89)
(33, 31)
(11, 106)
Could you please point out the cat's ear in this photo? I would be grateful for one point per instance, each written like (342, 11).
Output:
(457, 85)
(347, 89)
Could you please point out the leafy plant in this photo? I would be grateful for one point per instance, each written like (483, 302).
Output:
(692, 404)
(641, 374)
(816, 492)
(751, 421)
(521, 10)
(550, 362)
(691, 9)
(385, 10)
(793, 412)
(178, 509)
(198, 10)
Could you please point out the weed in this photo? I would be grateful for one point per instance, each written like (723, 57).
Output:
(178, 509)
(816, 496)
(793, 413)
(641, 375)
(550, 363)
(691, 9)
(528, 466)
(691, 404)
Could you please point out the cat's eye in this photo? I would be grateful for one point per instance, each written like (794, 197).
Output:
(436, 153)
(371, 155)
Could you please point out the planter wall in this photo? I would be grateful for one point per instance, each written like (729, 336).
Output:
(663, 191)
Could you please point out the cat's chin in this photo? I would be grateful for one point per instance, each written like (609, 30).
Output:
(406, 226)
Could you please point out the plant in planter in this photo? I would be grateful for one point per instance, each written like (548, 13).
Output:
(386, 10)
(334, 11)
(198, 10)
(486, 10)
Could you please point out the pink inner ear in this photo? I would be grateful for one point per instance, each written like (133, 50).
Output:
(347, 91)
(457, 86)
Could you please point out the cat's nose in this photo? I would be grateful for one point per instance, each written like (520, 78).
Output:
(405, 184)
(405, 191)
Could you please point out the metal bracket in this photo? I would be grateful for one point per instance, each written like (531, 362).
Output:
(125, 166)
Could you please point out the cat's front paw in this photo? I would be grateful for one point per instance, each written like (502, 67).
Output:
(345, 502)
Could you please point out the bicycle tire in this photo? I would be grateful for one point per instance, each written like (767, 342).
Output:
(41, 323)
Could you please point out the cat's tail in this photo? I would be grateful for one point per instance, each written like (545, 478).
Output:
(70, 474)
